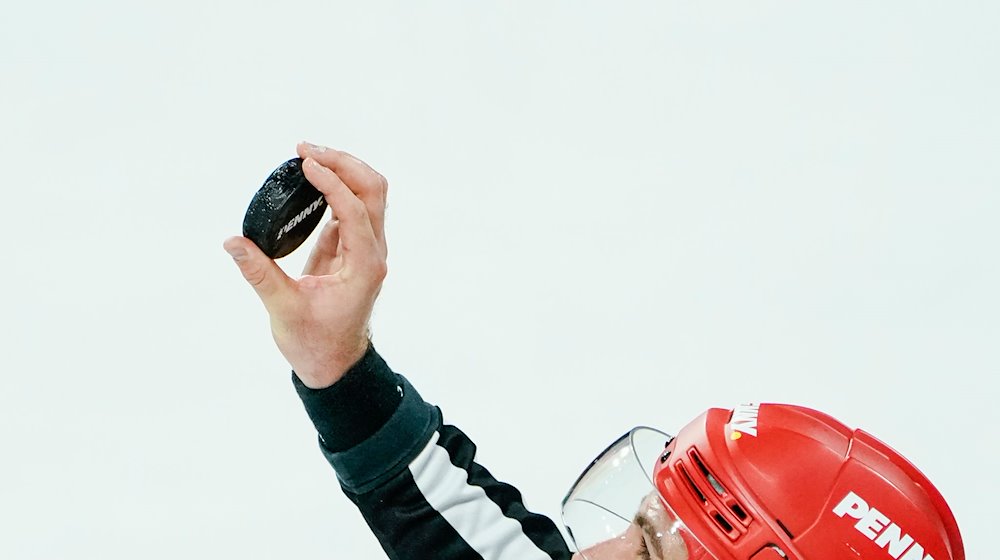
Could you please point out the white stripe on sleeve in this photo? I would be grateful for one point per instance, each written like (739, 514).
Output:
(468, 509)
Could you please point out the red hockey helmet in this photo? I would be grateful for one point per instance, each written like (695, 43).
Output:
(776, 482)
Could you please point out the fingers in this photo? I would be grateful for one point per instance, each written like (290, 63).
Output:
(358, 244)
(262, 273)
(321, 259)
(366, 183)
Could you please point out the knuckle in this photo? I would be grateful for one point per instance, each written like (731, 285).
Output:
(370, 191)
(379, 270)
(255, 276)
(375, 185)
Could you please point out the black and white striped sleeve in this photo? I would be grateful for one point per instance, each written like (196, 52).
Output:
(415, 479)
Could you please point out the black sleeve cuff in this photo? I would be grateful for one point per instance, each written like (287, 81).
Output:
(389, 451)
(355, 407)
(371, 423)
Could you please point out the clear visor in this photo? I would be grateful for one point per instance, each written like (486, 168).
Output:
(614, 512)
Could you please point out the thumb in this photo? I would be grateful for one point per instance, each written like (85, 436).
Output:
(263, 274)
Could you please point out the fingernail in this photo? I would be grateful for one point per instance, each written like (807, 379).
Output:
(238, 253)
(314, 148)
(315, 165)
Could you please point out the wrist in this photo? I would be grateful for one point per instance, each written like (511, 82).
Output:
(332, 367)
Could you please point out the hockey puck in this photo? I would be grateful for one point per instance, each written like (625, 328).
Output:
(285, 210)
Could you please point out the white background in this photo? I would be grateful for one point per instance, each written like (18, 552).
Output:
(601, 214)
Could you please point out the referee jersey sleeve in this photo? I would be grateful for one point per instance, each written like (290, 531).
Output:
(415, 479)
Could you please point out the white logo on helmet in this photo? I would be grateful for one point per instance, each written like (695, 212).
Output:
(744, 420)
(877, 527)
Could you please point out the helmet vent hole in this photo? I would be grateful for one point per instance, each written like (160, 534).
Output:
(722, 523)
(740, 514)
(713, 510)
(694, 487)
(716, 485)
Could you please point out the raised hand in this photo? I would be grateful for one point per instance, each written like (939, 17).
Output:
(320, 321)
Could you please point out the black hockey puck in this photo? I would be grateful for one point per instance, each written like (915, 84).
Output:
(284, 211)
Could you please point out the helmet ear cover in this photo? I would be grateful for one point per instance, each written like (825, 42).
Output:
(763, 482)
